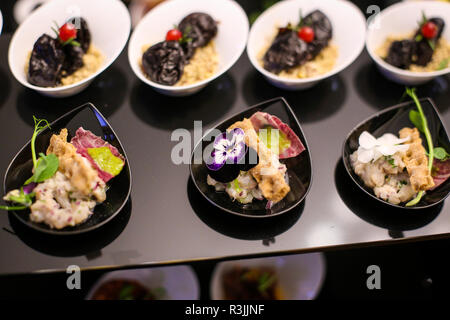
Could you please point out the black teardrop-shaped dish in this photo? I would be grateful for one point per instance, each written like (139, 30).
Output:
(119, 188)
(299, 168)
(392, 120)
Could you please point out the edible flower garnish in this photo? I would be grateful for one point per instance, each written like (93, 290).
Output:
(230, 155)
(371, 149)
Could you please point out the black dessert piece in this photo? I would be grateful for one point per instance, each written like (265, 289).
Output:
(164, 62)
(418, 50)
(199, 27)
(287, 51)
(400, 53)
(83, 34)
(46, 62)
(323, 31)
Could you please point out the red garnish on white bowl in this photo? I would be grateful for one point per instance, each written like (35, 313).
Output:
(429, 30)
(174, 34)
(67, 32)
(306, 34)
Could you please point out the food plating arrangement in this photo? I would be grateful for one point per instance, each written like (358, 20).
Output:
(224, 153)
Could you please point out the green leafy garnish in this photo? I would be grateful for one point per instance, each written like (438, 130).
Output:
(416, 120)
(45, 169)
(431, 44)
(265, 282)
(390, 160)
(424, 125)
(38, 128)
(418, 38)
(126, 293)
(441, 154)
(443, 64)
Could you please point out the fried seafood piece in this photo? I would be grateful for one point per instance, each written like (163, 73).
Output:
(267, 173)
(416, 161)
(76, 168)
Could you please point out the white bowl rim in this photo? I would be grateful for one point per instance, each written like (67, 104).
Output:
(349, 60)
(76, 84)
(1, 22)
(140, 74)
(222, 266)
(395, 70)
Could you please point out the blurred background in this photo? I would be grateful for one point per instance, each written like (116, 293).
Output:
(417, 270)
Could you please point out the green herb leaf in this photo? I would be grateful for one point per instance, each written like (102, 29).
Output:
(126, 293)
(24, 199)
(45, 169)
(265, 282)
(416, 120)
(441, 154)
(418, 38)
(426, 131)
(7, 208)
(39, 126)
(431, 44)
(443, 64)
(390, 160)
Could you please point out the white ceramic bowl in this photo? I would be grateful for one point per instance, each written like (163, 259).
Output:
(230, 40)
(178, 282)
(300, 276)
(349, 27)
(1, 22)
(402, 18)
(109, 24)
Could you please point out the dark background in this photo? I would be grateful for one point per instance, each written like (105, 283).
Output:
(408, 271)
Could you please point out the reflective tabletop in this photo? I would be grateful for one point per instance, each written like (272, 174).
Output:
(166, 220)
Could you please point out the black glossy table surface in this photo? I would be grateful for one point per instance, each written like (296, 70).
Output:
(166, 220)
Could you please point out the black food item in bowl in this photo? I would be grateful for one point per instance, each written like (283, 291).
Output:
(287, 51)
(323, 31)
(199, 27)
(400, 53)
(46, 62)
(73, 59)
(419, 49)
(164, 62)
(83, 34)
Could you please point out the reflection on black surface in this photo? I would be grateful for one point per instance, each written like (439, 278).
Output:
(89, 243)
(380, 93)
(241, 227)
(106, 92)
(5, 87)
(374, 212)
(314, 104)
(170, 113)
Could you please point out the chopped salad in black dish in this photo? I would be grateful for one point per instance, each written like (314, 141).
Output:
(400, 170)
(69, 180)
(245, 160)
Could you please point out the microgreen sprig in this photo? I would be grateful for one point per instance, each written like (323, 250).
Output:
(43, 168)
(420, 121)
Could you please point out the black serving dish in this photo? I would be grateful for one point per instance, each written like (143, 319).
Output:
(391, 120)
(299, 168)
(119, 188)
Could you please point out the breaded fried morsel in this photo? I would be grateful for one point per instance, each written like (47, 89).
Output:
(270, 179)
(77, 169)
(416, 161)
